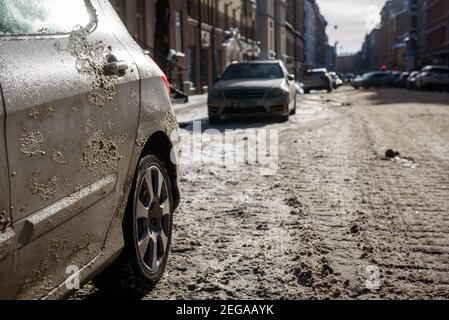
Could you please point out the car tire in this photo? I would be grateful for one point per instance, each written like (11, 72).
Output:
(147, 229)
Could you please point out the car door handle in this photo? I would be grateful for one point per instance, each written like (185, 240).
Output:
(116, 68)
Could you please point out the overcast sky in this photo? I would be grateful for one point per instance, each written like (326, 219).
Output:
(354, 18)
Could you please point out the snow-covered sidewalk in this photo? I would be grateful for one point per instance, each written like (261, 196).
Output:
(194, 101)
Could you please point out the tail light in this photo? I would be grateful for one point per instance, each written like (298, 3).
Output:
(165, 81)
(162, 75)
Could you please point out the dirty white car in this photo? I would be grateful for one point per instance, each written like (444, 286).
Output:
(88, 171)
(253, 89)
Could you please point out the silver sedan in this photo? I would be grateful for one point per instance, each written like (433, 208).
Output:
(252, 89)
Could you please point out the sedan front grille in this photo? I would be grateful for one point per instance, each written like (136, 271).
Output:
(244, 110)
(244, 94)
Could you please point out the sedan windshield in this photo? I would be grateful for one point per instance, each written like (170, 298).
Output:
(253, 71)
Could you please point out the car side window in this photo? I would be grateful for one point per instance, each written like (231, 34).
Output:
(43, 17)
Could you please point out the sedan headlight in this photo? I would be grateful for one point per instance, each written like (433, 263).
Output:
(276, 93)
(216, 94)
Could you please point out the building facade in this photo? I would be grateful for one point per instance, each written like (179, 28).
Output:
(294, 23)
(349, 63)
(315, 37)
(370, 51)
(437, 32)
(421, 32)
(271, 18)
(218, 33)
(405, 37)
(158, 26)
(193, 41)
(412, 34)
(266, 28)
(394, 22)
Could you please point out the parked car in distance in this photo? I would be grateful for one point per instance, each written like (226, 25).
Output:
(349, 77)
(401, 82)
(433, 78)
(411, 80)
(336, 81)
(252, 89)
(299, 88)
(318, 79)
(88, 185)
(356, 82)
(372, 79)
(389, 81)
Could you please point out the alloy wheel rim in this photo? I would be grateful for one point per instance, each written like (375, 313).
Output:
(152, 211)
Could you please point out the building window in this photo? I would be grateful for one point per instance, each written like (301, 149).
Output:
(226, 16)
(140, 21)
(192, 8)
(271, 35)
(178, 21)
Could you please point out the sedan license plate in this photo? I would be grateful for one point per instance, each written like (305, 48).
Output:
(242, 105)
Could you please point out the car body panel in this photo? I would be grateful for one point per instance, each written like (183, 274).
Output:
(290, 82)
(157, 114)
(402, 81)
(73, 149)
(411, 80)
(373, 79)
(7, 234)
(389, 80)
(433, 77)
(299, 88)
(336, 80)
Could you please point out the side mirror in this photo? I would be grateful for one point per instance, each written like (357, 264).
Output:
(218, 79)
(291, 77)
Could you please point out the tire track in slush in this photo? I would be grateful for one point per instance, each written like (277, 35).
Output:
(334, 209)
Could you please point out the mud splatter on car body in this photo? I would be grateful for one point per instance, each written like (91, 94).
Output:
(90, 60)
(38, 115)
(31, 143)
(45, 191)
(169, 123)
(59, 158)
(5, 222)
(101, 154)
(140, 142)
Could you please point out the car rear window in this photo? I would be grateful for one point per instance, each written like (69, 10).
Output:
(316, 75)
(31, 17)
(253, 71)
